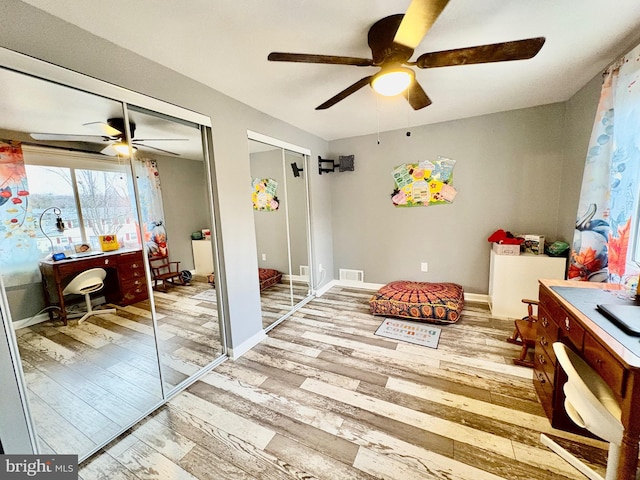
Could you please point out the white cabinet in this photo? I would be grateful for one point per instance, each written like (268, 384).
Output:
(202, 256)
(512, 278)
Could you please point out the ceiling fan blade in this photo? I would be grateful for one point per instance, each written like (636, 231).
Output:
(345, 93)
(109, 150)
(420, 16)
(160, 140)
(156, 148)
(62, 137)
(495, 52)
(310, 58)
(105, 128)
(416, 96)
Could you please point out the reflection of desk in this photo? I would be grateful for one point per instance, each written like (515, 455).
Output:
(567, 313)
(125, 282)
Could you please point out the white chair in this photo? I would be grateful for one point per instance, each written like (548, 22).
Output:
(591, 404)
(85, 284)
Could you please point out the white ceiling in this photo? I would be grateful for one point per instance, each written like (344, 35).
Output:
(225, 43)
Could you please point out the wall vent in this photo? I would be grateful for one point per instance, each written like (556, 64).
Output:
(352, 275)
(304, 271)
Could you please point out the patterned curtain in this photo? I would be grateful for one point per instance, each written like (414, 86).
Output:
(151, 211)
(607, 211)
(18, 244)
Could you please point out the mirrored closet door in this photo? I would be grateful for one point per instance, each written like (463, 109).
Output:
(281, 218)
(93, 191)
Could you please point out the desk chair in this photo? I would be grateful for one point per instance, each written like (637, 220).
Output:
(86, 283)
(591, 404)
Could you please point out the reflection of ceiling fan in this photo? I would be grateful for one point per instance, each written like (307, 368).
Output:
(392, 41)
(112, 132)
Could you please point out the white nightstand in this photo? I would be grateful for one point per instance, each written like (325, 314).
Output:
(512, 278)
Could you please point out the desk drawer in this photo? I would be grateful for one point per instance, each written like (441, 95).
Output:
(134, 291)
(548, 332)
(571, 329)
(605, 364)
(132, 270)
(544, 389)
(544, 363)
(552, 307)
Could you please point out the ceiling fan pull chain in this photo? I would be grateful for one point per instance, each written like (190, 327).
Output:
(378, 117)
(408, 113)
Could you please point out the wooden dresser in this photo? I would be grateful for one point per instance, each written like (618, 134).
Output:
(567, 313)
(125, 282)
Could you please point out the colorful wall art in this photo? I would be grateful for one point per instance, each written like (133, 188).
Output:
(429, 182)
(264, 194)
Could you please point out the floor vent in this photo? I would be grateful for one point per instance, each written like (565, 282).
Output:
(352, 275)
(304, 271)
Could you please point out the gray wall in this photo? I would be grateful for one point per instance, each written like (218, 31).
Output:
(579, 119)
(508, 175)
(35, 33)
(184, 200)
(271, 226)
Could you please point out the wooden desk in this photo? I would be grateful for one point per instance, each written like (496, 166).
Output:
(125, 282)
(567, 314)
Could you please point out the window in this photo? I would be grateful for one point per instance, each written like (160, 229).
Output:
(93, 200)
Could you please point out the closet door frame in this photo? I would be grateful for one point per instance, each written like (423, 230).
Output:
(286, 146)
(17, 425)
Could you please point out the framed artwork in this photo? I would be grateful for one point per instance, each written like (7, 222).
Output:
(429, 182)
(263, 194)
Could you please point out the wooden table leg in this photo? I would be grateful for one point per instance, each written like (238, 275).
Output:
(628, 457)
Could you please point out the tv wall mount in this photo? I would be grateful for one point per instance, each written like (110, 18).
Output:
(344, 164)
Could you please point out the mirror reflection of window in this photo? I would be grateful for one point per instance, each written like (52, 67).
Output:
(70, 188)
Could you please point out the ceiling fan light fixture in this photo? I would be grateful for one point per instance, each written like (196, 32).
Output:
(392, 81)
(122, 148)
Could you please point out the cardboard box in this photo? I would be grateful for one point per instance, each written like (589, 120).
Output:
(108, 243)
(533, 244)
(505, 249)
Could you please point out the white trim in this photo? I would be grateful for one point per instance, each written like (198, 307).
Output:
(48, 71)
(259, 137)
(244, 347)
(468, 297)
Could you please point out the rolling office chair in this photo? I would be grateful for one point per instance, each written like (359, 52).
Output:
(86, 283)
(591, 404)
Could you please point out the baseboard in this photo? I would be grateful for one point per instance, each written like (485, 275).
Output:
(476, 298)
(244, 347)
(468, 297)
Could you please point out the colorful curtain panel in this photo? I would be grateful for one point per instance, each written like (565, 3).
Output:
(601, 250)
(151, 210)
(18, 245)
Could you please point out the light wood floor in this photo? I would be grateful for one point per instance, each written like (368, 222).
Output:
(322, 397)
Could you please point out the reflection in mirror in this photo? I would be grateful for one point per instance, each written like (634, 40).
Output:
(270, 219)
(297, 212)
(65, 192)
(279, 195)
(171, 175)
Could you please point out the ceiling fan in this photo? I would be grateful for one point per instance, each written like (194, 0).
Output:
(112, 132)
(393, 40)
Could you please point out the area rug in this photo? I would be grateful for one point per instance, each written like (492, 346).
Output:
(412, 332)
(206, 296)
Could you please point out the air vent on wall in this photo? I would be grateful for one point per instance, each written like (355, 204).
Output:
(352, 275)
(304, 271)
